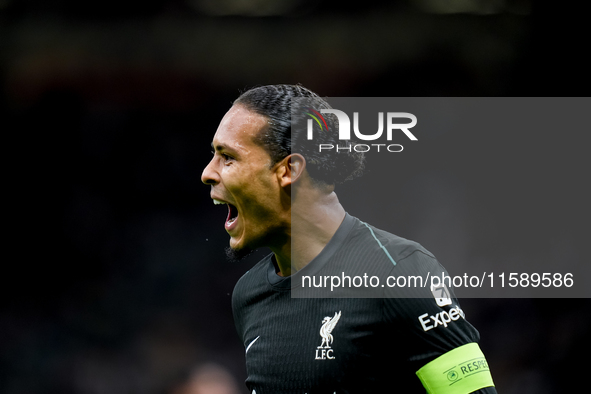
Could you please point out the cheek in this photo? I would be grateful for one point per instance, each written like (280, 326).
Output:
(261, 193)
(254, 187)
(235, 178)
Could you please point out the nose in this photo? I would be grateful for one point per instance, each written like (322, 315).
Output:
(210, 176)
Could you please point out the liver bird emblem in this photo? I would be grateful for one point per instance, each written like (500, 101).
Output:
(328, 325)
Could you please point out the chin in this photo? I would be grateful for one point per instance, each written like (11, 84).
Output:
(236, 255)
(237, 245)
(241, 241)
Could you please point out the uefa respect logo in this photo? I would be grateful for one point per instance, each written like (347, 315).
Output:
(380, 142)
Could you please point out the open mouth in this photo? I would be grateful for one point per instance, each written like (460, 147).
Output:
(232, 214)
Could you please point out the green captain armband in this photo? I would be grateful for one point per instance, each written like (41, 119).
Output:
(459, 371)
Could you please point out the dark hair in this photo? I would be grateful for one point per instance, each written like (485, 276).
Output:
(286, 133)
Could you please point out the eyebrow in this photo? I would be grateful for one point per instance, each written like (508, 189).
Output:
(221, 147)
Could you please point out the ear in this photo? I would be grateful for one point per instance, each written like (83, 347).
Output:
(291, 169)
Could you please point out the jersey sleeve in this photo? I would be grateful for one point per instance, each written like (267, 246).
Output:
(438, 343)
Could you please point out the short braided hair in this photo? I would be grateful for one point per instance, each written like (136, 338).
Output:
(286, 133)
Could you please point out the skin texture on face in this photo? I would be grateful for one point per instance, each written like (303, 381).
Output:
(240, 174)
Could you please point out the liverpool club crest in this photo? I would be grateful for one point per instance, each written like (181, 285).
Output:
(324, 351)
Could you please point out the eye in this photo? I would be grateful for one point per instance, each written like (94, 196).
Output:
(226, 157)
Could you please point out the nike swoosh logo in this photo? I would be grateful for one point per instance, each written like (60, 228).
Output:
(252, 343)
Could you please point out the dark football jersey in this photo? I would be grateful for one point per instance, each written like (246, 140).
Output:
(369, 334)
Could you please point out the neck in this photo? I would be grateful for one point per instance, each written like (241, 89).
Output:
(315, 218)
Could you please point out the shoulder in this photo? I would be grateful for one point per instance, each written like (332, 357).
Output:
(252, 282)
(249, 287)
(397, 248)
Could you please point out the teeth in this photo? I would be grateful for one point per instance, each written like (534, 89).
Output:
(218, 202)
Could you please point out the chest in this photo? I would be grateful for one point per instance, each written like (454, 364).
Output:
(303, 343)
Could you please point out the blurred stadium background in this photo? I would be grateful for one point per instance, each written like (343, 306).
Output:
(114, 276)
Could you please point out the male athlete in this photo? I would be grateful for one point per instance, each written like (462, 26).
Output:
(280, 194)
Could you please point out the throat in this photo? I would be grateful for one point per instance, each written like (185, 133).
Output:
(282, 268)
